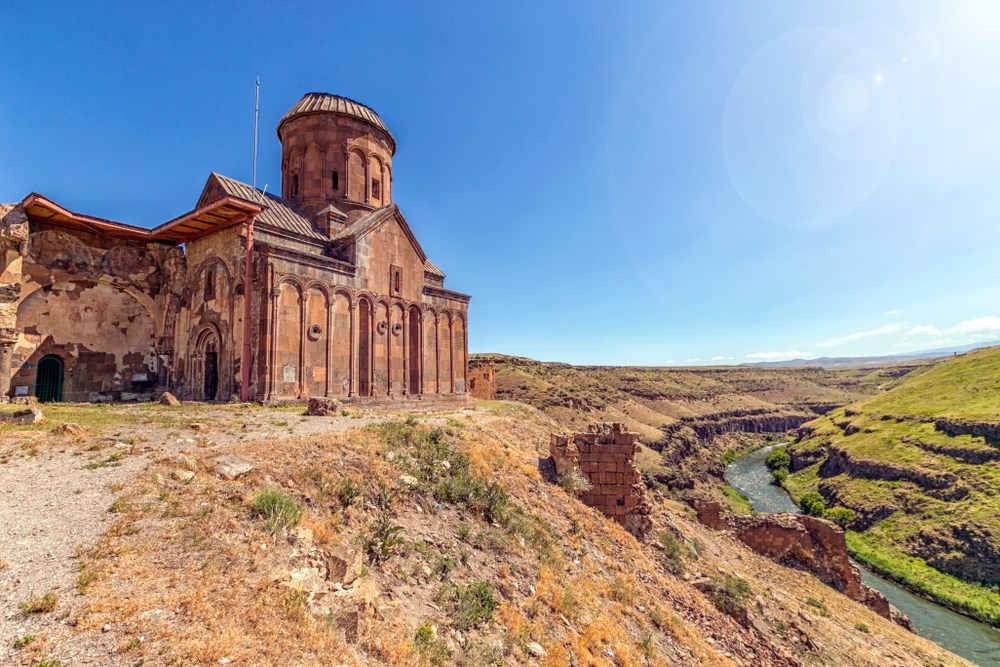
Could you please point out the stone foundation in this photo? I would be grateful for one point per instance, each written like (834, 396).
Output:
(604, 457)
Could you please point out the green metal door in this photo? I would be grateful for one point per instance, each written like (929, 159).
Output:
(49, 380)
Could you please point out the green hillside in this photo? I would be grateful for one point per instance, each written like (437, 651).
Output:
(919, 466)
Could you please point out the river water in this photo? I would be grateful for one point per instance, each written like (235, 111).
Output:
(970, 639)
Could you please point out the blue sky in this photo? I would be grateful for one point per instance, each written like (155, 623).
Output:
(614, 183)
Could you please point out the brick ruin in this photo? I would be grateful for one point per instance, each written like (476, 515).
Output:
(482, 379)
(322, 291)
(804, 542)
(605, 457)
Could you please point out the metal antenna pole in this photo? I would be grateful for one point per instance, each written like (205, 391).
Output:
(256, 114)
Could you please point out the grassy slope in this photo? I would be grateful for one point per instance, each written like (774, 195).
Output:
(896, 430)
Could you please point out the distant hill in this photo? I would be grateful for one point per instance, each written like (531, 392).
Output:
(884, 360)
(920, 466)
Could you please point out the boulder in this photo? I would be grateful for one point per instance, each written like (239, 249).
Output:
(230, 466)
(344, 567)
(323, 407)
(70, 429)
(22, 417)
(182, 476)
(166, 398)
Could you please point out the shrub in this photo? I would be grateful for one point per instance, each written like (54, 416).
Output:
(23, 641)
(278, 510)
(574, 482)
(812, 503)
(778, 476)
(429, 646)
(39, 605)
(671, 553)
(819, 606)
(861, 627)
(382, 539)
(347, 491)
(843, 516)
(474, 604)
(779, 458)
(730, 595)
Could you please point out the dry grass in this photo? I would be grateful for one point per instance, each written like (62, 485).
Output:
(201, 580)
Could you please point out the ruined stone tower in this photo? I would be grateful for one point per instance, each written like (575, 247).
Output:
(336, 159)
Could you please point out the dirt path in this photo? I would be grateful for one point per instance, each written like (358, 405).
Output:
(51, 508)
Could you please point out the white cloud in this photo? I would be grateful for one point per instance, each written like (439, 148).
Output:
(978, 325)
(893, 313)
(720, 357)
(880, 331)
(929, 330)
(776, 356)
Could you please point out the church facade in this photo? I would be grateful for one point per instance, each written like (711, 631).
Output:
(321, 291)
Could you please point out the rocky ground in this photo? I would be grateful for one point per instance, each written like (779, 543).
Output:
(421, 540)
(57, 492)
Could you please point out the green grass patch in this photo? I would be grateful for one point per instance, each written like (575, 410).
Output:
(737, 503)
(913, 573)
(277, 509)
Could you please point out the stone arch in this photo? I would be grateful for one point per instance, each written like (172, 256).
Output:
(358, 169)
(459, 352)
(292, 173)
(382, 342)
(60, 251)
(376, 180)
(201, 281)
(366, 318)
(341, 340)
(430, 359)
(288, 337)
(316, 348)
(133, 264)
(445, 376)
(334, 163)
(414, 345)
(206, 368)
(397, 349)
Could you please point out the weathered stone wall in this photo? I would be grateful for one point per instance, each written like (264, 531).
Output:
(482, 380)
(605, 457)
(795, 540)
(97, 303)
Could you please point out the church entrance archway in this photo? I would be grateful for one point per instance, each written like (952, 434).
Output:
(208, 348)
(49, 379)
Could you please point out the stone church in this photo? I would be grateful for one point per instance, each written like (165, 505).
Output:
(322, 291)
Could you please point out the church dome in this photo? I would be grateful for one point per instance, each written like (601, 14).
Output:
(326, 103)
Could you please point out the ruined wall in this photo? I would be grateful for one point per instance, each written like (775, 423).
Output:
(98, 304)
(795, 540)
(13, 246)
(482, 380)
(605, 457)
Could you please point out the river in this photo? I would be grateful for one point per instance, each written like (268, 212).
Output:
(961, 635)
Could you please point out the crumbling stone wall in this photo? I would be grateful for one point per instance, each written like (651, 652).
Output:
(808, 543)
(482, 380)
(605, 457)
